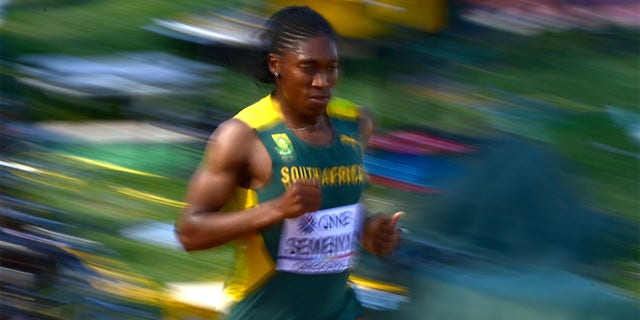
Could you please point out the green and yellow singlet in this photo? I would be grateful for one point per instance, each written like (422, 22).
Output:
(278, 274)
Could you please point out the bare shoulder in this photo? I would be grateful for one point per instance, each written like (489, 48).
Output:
(348, 109)
(231, 141)
(231, 129)
(234, 148)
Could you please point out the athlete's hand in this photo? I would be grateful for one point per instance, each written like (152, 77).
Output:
(301, 197)
(382, 234)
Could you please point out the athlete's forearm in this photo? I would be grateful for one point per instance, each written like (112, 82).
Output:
(198, 230)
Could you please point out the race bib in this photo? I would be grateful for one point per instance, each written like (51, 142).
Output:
(319, 242)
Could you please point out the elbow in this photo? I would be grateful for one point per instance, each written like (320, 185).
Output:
(191, 242)
(186, 234)
(191, 233)
(185, 238)
(186, 242)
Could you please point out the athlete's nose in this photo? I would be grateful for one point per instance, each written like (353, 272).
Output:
(319, 80)
(322, 79)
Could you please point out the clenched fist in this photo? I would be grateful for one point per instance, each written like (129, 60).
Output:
(301, 197)
(382, 234)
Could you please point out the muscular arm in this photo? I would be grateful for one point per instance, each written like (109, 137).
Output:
(233, 158)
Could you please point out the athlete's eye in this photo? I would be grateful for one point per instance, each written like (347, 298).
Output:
(311, 69)
(307, 68)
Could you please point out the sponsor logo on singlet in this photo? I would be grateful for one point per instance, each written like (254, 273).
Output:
(319, 242)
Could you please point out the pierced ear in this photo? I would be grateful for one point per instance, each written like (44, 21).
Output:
(274, 63)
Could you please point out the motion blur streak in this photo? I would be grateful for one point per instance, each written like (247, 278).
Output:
(150, 197)
(507, 130)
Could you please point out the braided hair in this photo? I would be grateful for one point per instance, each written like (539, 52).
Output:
(285, 30)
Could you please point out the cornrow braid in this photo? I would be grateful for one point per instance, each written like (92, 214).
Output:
(286, 29)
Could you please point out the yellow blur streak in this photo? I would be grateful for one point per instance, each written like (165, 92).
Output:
(109, 166)
(376, 285)
(149, 197)
(566, 103)
(28, 173)
(119, 280)
(26, 168)
(441, 95)
(497, 100)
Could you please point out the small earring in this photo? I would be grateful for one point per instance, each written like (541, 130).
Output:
(276, 74)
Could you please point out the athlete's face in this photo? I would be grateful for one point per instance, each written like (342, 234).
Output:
(307, 75)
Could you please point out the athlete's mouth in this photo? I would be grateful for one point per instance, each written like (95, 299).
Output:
(320, 98)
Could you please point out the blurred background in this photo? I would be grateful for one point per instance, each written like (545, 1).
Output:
(509, 131)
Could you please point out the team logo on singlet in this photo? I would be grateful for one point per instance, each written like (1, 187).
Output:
(283, 144)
